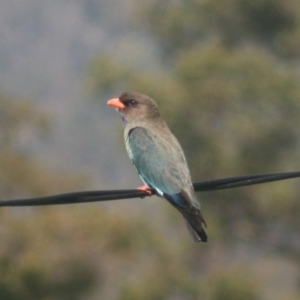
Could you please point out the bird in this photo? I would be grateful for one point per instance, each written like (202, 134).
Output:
(158, 158)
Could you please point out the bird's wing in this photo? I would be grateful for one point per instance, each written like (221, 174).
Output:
(160, 163)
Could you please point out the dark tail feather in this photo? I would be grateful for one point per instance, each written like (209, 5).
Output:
(199, 235)
(192, 217)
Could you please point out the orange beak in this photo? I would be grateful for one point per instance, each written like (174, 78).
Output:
(115, 102)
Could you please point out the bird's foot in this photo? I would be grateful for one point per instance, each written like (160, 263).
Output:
(145, 189)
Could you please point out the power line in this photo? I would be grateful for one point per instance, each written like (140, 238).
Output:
(108, 195)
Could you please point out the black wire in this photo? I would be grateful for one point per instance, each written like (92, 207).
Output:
(76, 197)
(93, 196)
(244, 180)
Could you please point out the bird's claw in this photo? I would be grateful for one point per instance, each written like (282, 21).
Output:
(145, 189)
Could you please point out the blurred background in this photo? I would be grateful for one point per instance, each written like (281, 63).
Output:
(225, 74)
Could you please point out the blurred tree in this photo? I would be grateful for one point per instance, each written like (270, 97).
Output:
(239, 112)
(75, 253)
(31, 264)
(235, 23)
(20, 173)
(230, 93)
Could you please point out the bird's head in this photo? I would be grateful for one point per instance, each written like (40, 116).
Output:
(134, 107)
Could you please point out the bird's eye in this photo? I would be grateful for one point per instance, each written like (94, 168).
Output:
(132, 102)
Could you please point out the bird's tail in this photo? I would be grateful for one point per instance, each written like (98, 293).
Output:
(197, 235)
(195, 223)
(192, 216)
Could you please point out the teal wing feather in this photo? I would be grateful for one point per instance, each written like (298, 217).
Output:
(160, 163)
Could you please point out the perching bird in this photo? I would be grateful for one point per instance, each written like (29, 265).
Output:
(158, 157)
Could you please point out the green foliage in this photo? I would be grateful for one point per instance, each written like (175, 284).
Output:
(229, 89)
(181, 25)
(20, 173)
(230, 284)
(31, 264)
(17, 117)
